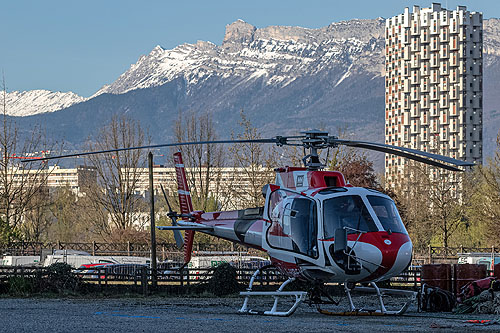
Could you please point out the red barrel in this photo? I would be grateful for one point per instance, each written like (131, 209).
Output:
(496, 271)
(465, 273)
(437, 275)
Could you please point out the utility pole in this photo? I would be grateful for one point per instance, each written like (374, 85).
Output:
(152, 220)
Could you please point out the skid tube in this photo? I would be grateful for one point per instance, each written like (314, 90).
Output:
(299, 298)
(353, 311)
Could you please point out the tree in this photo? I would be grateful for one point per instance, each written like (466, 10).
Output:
(436, 204)
(487, 202)
(254, 162)
(204, 163)
(70, 217)
(356, 168)
(115, 207)
(19, 183)
(38, 219)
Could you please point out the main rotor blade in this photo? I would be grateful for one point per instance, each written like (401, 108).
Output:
(413, 154)
(271, 140)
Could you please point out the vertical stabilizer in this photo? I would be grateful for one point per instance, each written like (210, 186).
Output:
(185, 203)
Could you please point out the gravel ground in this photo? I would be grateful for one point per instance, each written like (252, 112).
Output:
(205, 315)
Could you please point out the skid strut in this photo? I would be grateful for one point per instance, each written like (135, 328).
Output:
(299, 297)
(380, 292)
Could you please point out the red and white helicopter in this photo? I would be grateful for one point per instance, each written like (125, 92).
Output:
(314, 226)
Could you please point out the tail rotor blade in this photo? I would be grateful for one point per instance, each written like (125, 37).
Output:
(179, 240)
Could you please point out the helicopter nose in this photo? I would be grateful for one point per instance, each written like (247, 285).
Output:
(398, 254)
(403, 258)
(396, 251)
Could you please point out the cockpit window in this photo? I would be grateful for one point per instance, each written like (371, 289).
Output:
(387, 214)
(348, 212)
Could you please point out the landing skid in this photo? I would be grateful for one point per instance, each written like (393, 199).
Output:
(299, 297)
(353, 311)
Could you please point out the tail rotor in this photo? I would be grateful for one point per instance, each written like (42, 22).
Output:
(179, 240)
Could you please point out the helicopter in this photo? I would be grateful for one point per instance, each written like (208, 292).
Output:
(314, 225)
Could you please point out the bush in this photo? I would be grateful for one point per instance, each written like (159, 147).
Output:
(223, 281)
(19, 285)
(60, 278)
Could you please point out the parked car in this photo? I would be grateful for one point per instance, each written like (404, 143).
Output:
(91, 271)
(125, 271)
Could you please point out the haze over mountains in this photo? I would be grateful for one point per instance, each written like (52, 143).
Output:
(286, 79)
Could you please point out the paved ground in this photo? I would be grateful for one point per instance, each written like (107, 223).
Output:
(204, 315)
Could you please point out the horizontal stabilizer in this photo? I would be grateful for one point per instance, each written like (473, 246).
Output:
(187, 227)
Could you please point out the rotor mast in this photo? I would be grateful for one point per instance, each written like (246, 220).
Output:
(314, 140)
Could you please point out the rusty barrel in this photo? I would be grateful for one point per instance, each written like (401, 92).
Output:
(465, 273)
(496, 271)
(437, 275)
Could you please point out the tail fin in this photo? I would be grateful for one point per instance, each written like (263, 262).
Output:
(185, 203)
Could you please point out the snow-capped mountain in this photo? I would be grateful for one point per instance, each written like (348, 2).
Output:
(32, 102)
(278, 55)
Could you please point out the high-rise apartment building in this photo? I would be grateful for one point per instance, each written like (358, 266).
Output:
(433, 84)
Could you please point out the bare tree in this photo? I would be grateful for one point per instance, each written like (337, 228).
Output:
(115, 205)
(435, 202)
(19, 183)
(204, 163)
(254, 165)
(38, 219)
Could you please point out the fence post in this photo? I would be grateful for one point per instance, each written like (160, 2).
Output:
(144, 282)
(22, 247)
(128, 248)
(59, 245)
(99, 278)
(93, 248)
(430, 254)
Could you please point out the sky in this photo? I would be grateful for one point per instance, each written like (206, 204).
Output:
(81, 45)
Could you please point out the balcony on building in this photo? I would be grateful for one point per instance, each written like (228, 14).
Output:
(434, 27)
(415, 77)
(434, 109)
(477, 68)
(444, 35)
(415, 93)
(454, 27)
(425, 52)
(424, 101)
(415, 110)
(444, 84)
(477, 117)
(443, 101)
(476, 52)
(444, 118)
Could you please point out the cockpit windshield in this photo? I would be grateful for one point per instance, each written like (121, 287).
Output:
(348, 212)
(387, 214)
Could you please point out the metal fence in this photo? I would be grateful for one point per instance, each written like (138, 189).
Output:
(450, 255)
(165, 251)
(138, 278)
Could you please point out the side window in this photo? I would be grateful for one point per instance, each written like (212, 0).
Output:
(294, 223)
